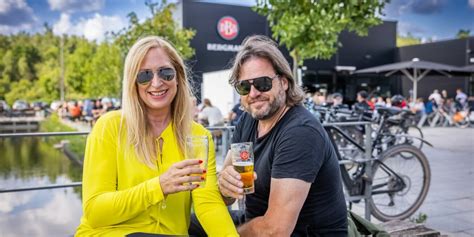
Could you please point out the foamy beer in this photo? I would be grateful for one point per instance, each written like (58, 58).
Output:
(197, 147)
(242, 160)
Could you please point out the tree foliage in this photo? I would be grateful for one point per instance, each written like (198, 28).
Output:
(162, 24)
(30, 64)
(407, 40)
(462, 34)
(310, 28)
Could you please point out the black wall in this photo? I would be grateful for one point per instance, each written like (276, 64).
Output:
(452, 52)
(377, 48)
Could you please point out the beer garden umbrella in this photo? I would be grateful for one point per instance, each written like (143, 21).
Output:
(416, 70)
(469, 68)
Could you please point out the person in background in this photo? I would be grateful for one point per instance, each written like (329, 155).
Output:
(97, 110)
(234, 114)
(436, 98)
(107, 105)
(418, 108)
(461, 98)
(380, 102)
(338, 101)
(444, 95)
(87, 111)
(362, 103)
(372, 101)
(195, 109)
(75, 111)
(136, 178)
(63, 110)
(399, 101)
(298, 191)
(388, 102)
(210, 115)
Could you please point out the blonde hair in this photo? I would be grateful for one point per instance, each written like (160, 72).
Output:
(139, 132)
(260, 46)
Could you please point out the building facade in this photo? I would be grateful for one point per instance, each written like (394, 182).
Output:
(220, 29)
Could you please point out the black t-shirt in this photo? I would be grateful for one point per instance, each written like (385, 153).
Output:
(297, 147)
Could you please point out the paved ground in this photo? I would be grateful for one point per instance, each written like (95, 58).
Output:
(449, 205)
(450, 201)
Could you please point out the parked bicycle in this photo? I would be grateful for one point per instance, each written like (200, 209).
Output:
(399, 180)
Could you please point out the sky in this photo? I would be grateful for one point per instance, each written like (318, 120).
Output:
(426, 19)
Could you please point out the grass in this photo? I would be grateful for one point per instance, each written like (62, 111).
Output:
(77, 143)
(420, 218)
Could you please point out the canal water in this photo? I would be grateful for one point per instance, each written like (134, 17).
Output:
(29, 162)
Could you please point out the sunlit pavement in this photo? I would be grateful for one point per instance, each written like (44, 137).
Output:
(449, 205)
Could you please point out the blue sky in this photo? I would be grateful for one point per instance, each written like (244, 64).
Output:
(426, 19)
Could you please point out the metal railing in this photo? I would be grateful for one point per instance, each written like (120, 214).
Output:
(41, 134)
(225, 136)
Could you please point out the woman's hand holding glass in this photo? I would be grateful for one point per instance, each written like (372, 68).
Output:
(178, 177)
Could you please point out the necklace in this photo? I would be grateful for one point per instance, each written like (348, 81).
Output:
(263, 131)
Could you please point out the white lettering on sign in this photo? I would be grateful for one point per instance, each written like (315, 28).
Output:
(223, 47)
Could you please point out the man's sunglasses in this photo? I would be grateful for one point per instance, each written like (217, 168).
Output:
(144, 77)
(262, 84)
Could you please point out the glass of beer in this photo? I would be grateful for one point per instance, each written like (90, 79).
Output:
(242, 160)
(197, 147)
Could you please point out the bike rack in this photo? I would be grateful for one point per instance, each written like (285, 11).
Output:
(367, 159)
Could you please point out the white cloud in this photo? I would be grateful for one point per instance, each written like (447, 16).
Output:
(54, 212)
(15, 15)
(471, 4)
(96, 27)
(92, 28)
(63, 26)
(76, 5)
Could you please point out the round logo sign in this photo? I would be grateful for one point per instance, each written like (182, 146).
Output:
(228, 28)
(244, 155)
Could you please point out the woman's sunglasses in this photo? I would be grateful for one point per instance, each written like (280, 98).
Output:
(144, 77)
(262, 84)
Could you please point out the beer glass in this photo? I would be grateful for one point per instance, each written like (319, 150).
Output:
(197, 147)
(242, 160)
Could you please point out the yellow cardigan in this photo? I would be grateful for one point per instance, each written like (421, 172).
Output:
(121, 195)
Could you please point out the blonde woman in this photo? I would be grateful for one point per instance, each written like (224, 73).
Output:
(134, 169)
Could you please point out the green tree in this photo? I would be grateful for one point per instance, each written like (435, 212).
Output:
(78, 55)
(105, 72)
(310, 28)
(407, 40)
(20, 90)
(48, 70)
(162, 24)
(462, 34)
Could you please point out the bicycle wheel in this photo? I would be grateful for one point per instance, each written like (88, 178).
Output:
(415, 132)
(400, 183)
(412, 133)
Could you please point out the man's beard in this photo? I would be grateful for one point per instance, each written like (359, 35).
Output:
(274, 106)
